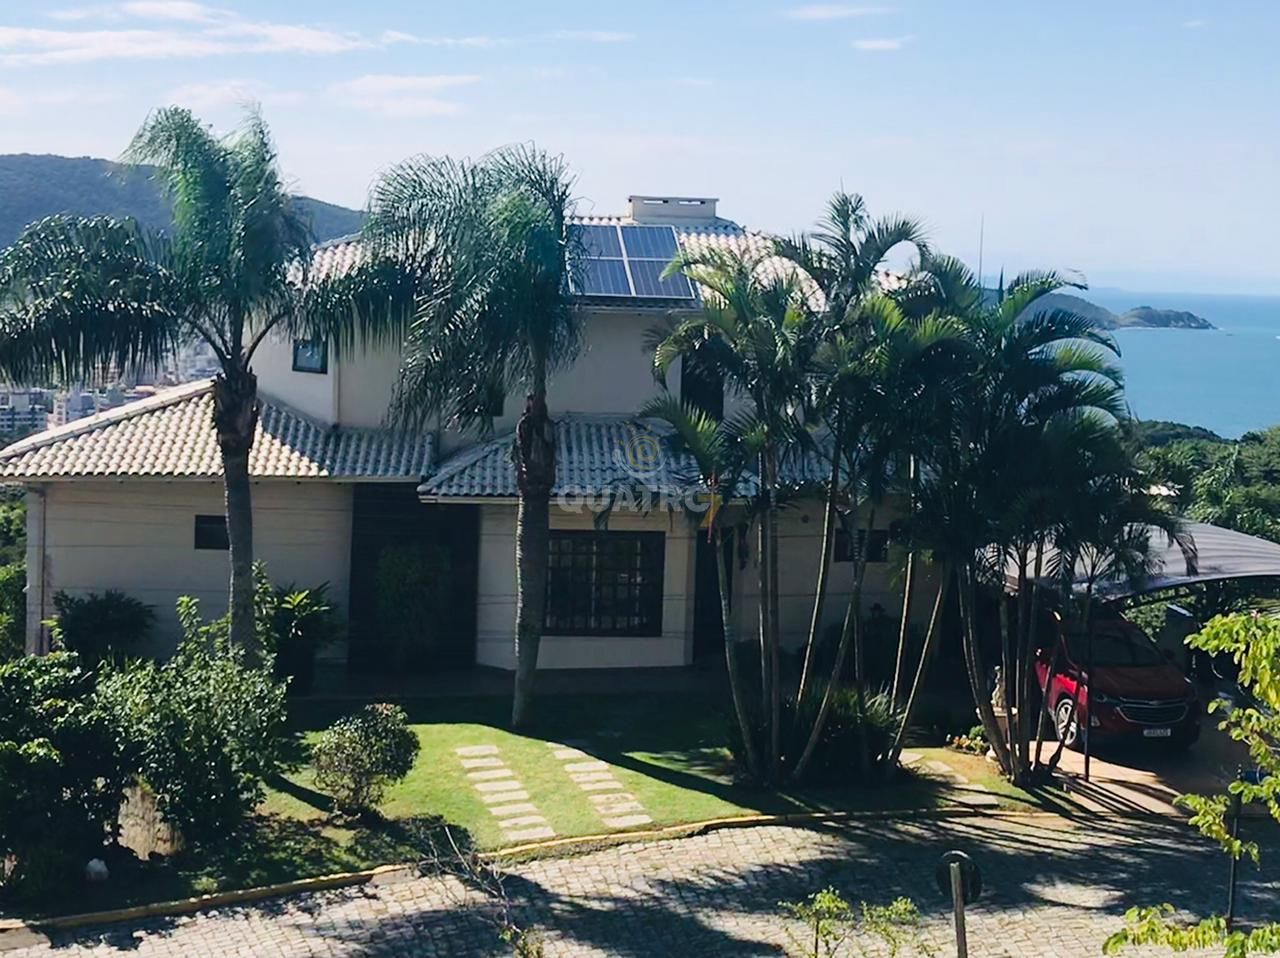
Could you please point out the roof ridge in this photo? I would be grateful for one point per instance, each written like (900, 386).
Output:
(77, 427)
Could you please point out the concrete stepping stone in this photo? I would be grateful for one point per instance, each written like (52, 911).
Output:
(563, 753)
(490, 773)
(523, 821)
(501, 785)
(593, 766)
(611, 798)
(494, 798)
(909, 758)
(592, 776)
(600, 785)
(519, 808)
(532, 834)
(621, 808)
(489, 761)
(473, 750)
(628, 821)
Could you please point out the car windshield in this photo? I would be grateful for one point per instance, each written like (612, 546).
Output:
(1115, 643)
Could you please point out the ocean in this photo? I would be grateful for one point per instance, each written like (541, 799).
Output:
(1226, 379)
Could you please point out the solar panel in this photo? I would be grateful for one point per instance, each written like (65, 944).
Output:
(628, 262)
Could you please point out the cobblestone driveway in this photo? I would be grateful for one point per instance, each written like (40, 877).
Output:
(1053, 890)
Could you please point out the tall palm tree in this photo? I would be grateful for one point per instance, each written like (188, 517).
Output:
(479, 253)
(842, 258)
(723, 453)
(83, 297)
(757, 330)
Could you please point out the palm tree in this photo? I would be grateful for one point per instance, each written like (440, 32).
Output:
(723, 453)
(479, 254)
(85, 297)
(842, 259)
(756, 328)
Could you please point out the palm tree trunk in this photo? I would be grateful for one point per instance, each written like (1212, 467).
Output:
(731, 660)
(922, 669)
(235, 418)
(775, 627)
(534, 455)
(1008, 654)
(908, 588)
(1025, 694)
(973, 662)
(824, 575)
(765, 587)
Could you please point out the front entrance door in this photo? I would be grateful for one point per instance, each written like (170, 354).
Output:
(413, 582)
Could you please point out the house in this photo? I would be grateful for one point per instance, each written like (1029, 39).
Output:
(131, 499)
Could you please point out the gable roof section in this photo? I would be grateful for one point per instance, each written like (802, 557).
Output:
(171, 436)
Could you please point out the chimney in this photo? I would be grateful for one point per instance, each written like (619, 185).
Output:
(672, 209)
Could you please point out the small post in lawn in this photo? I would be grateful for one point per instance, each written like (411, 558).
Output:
(1235, 861)
(1088, 698)
(959, 877)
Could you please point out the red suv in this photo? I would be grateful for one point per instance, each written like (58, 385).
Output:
(1135, 692)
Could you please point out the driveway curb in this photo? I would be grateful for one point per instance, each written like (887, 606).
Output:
(16, 933)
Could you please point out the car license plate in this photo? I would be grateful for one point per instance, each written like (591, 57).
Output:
(1157, 732)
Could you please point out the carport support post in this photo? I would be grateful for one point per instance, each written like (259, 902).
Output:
(1235, 861)
(957, 904)
(1088, 697)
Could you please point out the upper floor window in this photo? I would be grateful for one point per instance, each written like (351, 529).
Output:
(310, 356)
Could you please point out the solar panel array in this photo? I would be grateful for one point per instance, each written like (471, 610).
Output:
(627, 262)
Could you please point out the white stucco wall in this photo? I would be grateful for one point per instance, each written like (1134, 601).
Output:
(138, 537)
(799, 549)
(496, 617)
(314, 394)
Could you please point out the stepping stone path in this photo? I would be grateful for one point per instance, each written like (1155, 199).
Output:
(617, 809)
(502, 792)
(972, 793)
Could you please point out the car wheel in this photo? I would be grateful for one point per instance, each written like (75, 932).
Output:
(1065, 724)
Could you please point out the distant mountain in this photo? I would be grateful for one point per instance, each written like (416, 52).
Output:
(1139, 316)
(33, 187)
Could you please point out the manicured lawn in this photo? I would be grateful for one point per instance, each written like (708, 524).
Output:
(665, 750)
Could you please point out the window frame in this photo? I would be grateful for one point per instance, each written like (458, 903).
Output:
(206, 526)
(319, 344)
(580, 595)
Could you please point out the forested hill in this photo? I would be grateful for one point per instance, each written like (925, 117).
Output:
(33, 187)
(1144, 316)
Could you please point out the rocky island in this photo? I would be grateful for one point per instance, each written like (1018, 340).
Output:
(1140, 317)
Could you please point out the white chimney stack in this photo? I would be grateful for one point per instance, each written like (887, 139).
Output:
(672, 209)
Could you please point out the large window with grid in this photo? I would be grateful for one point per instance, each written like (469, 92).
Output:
(605, 583)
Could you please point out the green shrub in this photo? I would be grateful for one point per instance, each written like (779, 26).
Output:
(13, 610)
(207, 727)
(62, 770)
(357, 757)
(294, 624)
(837, 757)
(101, 627)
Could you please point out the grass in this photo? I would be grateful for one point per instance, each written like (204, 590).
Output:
(664, 749)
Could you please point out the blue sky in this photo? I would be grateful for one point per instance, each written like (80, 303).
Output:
(1136, 141)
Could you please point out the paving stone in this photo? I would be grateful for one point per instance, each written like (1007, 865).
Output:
(628, 821)
(490, 773)
(470, 750)
(489, 761)
(593, 766)
(611, 798)
(600, 785)
(563, 753)
(523, 821)
(531, 834)
(909, 758)
(496, 797)
(519, 808)
(502, 785)
(592, 776)
(620, 808)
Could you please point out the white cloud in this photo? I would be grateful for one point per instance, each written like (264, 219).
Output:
(881, 44)
(210, 96)
(11, 102)
(833, 11)
(403, 95)
(1194, 24)
(190, 30)
(390, 37)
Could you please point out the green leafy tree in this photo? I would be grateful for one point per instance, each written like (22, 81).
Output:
(1252, 641)
(359, 756)
(84, 297)
(469, 262)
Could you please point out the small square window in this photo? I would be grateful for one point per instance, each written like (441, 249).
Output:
(211, 533)
(310, 356)
(877, 545)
